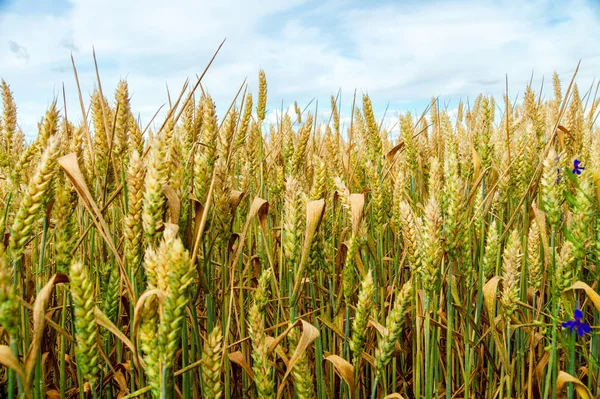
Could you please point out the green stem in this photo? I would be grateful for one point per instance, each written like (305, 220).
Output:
(449, 335)
(63, 350)
(571, 364)
(374, 390)
(428, 369)
(509, 379)
(551, 361)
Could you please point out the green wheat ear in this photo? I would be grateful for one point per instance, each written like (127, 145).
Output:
(265, 385)
(211, 365)
(393, 328)
(86, 330)
(359, 324)
(31, 203)
(9, 305)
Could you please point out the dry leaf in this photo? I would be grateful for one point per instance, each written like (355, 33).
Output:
(238, 358)
(378, 326)
(561, 381)
(52, 394)
(173, 203)
(344, 369)
(70, 166)
(564, 130)
(39, 323)
(235, 197)
(309, 335)
(278, 350)
(489, 295)
(275, 341)
(105, 322)
(122, 382)
(314, 214)
(137, 311)
(260, 208)
(593, 295)
(52, 324)
(9, 360)
(198, 211)
(357, 205)
(392, 153)
(540, 218)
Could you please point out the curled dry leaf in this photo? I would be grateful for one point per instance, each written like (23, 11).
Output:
(173, 203)
(540, 366)
(239, 359)
(489, 295)
(276, 341)
(314, 214)
(198, 211)
(51, 323)
(122, 383)
(259, 208)
(137, 312)
(378, 326)
(232, 242)
(9, 360)
(278, 350)
(309, 335)
(392, 153)
(39, 323)
(589, 291)
(344, 369)
(235, 197)
(357, 203)
(476, 161)
(70, 166)
(52, 394)
(540, 218)
(382, 331)
(561, 381)
(105, 322)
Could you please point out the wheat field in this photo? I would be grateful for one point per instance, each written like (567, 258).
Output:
(234, 258)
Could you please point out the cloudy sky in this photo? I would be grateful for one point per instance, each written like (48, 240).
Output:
(401, 53)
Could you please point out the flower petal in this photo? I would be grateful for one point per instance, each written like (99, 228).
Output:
(586, 328)
(569, 324)
(578, 315)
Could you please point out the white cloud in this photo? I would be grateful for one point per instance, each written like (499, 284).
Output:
(401, 53)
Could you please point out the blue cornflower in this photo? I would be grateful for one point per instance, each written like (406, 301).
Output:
(582, 328)
(577, 168)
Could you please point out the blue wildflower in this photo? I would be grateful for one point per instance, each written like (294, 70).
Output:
(577, 323)
(577, 168)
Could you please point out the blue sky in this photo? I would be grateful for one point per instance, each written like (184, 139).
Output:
(402, 53)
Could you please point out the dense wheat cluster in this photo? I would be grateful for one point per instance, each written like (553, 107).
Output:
(229, 257)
